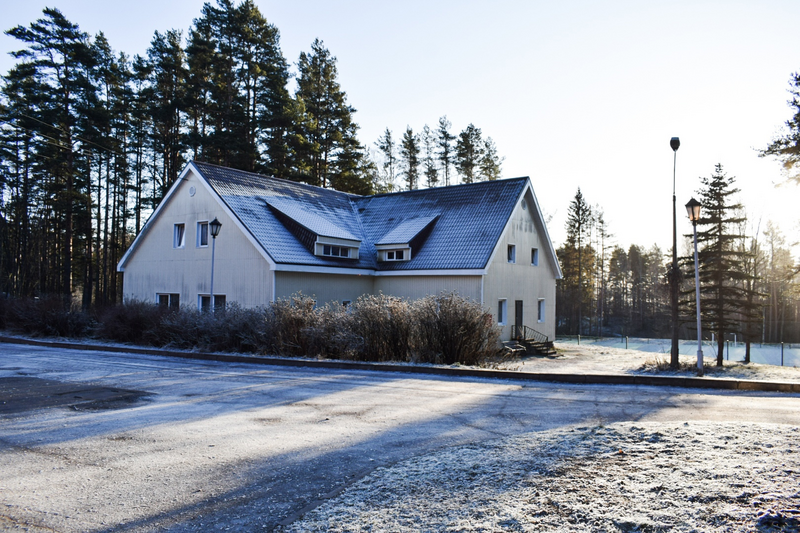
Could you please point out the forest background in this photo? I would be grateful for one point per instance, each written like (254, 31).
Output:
(92, 139)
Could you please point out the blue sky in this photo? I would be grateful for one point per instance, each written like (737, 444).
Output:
(575, 94)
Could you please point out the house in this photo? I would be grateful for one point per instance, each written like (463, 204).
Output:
(487, 241)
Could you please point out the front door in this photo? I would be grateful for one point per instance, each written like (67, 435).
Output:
(518, 318)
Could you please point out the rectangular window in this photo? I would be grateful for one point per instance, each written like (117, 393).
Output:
(169, 300)
(202, 234)
(541, 310)
(204, 302)
(335, 251)
(535, 256)
(512, 253)
(179, 236)
(395, 255)
(502, 312)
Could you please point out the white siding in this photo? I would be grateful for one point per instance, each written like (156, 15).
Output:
(323, 288)
(240, 272)
(520, 280)
(415, 287)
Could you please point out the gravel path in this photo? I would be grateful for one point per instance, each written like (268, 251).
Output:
(710, 477)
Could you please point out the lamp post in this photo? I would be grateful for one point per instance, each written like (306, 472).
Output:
(674, 143)
(215, 225)
(693, 208)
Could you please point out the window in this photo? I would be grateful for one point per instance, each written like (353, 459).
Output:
(202, 234)
(535, 256)
(179, 236)
(394, 255)
(502, 312)
(512, 253)
(346, 303)
(169, 300)
(335, 251)
(541, 310)
(204, 302)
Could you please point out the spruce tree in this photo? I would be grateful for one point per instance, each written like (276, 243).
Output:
(721, 258)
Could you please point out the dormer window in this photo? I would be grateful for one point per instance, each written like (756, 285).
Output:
(335, 251)
(394, 255)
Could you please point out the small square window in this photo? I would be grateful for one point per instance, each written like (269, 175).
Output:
(502, 312)
(179, 236)
(535, 256)
(202, 234)
(512, 253)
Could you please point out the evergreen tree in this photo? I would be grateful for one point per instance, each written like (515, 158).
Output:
(577, 261)
(429, 161)
(166, 96)
(444, 147)
(409, 152)
(469, 153)
(58, 59)
(329, 127)
(787, 147)
(720, 257)
(490, 162)
(386, 146)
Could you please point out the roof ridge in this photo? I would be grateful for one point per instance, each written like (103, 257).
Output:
(457, 185)
(301, 184)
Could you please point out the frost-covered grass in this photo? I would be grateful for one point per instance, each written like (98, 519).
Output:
(623, 477)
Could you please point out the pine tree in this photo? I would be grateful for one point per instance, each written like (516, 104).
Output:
(490, 162)
(409, 152)
(388, 149)
(329, 126)
(59, 59)
(444, 147)
(469, 153)
(429, 160)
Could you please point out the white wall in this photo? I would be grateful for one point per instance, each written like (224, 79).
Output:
(521, 280)
(241, 272)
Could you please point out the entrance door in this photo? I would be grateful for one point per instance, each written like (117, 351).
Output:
(518, 318)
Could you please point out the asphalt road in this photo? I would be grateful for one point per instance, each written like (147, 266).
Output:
(96, 441)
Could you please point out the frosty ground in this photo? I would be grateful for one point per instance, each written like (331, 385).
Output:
(630, 476)
(219, 446)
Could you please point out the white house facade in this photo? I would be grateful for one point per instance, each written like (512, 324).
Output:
(486, 241)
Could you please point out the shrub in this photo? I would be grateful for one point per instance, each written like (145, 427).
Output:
(133, 321)
(381, 326)
(48, 316)
(451, 329)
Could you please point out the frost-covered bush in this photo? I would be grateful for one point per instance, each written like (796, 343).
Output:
(442, 329)
(382, 327)
(451, 329)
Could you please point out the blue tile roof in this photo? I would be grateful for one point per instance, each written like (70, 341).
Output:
(469, 219)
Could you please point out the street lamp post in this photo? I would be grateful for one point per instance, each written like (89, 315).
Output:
(674, 143)
(215, 225)
(693, 208)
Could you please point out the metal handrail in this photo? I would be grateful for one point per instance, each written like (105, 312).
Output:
(524, 333)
